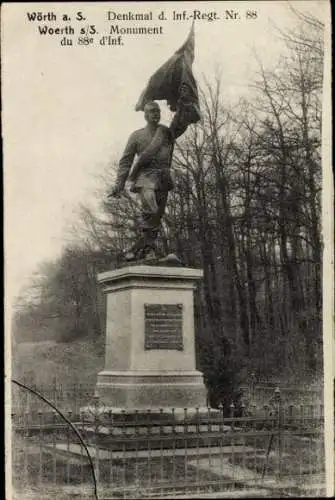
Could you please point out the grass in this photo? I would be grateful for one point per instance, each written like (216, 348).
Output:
(299, 457)
(44, 471)
(71, 363)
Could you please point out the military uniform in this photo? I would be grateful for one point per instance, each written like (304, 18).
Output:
(150, 176)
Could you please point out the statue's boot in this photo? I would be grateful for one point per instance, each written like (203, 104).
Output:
(143, 246)
(132, 253)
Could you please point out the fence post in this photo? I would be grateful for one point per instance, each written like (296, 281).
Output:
(96, 436)
(54, 387)
(68, 463)
(24, 421)
(253, 386)
(40, 434)
(279, 424)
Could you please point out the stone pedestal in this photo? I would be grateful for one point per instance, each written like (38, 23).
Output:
(150, 351)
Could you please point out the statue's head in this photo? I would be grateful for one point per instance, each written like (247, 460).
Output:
(152, 113)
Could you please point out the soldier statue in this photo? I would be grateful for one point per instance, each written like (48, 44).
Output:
(150, 175)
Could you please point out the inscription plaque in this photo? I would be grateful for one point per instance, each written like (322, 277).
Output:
(163, 326)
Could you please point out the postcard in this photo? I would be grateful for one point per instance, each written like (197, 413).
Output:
(168, 199)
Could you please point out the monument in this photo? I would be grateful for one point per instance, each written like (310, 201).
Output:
(150, 347)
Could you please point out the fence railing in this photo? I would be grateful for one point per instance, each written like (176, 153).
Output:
(276, 448)
(69, 398)
(75, 396)
(261, 393)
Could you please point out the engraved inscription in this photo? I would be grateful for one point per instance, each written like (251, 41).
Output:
(163, 326)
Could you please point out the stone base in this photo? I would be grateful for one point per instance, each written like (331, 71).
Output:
(143, 390)
(118, 417)
(170, 260)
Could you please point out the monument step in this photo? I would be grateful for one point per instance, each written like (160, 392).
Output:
(176, 433)
(214, 489)
(251, 492)
(76, 451)
(114, 440)
(152, 416)
(162, 430)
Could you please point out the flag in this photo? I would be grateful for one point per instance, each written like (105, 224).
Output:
(175, 82)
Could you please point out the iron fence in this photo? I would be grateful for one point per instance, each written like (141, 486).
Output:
(68, 398)
(275, 449)
(262, 392)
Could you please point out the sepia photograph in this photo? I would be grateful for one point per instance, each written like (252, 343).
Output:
(169, 249)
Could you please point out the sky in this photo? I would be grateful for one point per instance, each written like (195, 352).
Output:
(68, 110)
